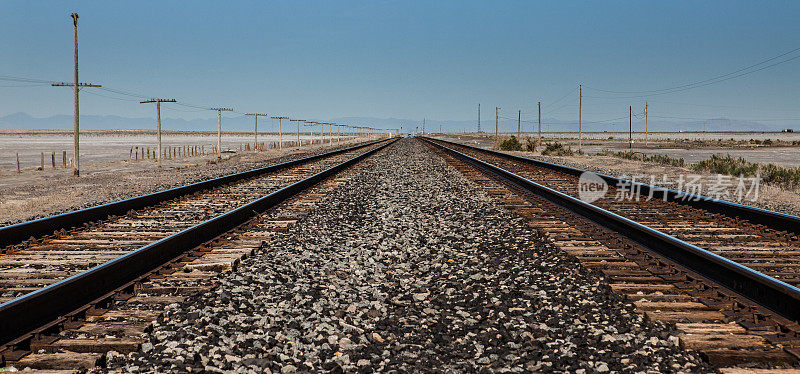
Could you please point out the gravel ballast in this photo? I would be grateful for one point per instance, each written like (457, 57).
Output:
(408, 267)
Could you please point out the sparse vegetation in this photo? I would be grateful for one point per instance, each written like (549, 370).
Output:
(511, 144)
(531, 144)
(732, 143)
(658, 159)
(557, 149)
(770, 173)
(719, 164)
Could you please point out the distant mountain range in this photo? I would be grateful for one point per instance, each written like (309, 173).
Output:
(24, 121)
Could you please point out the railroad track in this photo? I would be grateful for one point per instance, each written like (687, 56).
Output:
(62, 286)
(726, 274)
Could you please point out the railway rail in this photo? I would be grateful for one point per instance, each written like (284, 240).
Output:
(98, 256)
(727, 274)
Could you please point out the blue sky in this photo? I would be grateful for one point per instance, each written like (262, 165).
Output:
(405, 59)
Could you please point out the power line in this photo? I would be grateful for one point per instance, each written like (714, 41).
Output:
(185, 111)
(126, 93)
(567, 104)
(24, 80)
(25, 85)
(561, 98)
(109, 97)
(717, 79)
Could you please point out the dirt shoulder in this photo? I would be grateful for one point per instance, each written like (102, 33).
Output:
(769, 197)
(32, 195)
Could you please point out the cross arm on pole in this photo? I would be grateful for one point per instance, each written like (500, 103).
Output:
(158, 101)
(64, 84)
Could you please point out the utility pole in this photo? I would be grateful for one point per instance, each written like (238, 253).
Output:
(280, 130)
(645, 123)
(496, 121)
(519, 123)
(311, 126)
(219, 129)
(630, 127)
(423, 125)
(479, 117)
(158, 121)
(255, 128)
(76, 87)
(540, 125)
(580, 129)
(298, 128)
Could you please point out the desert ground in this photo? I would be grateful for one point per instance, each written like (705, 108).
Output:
(784, 149)
(35, 194)
(772, 197)
(109, 146)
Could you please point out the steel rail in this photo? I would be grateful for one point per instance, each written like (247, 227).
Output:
(768, 218)
(20, 232)
(769, 292)
(30, 312)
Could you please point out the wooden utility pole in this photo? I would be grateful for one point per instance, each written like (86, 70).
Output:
(630, 127)
(280, 130)
(158, 121)
(645, 123)
(255, 128)
(76, 87)
(580, 129)
(496, 121)
(540, 125)
(338, 133)
(219, 129)
(311, 126)
(298, 128)
(519, 123)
